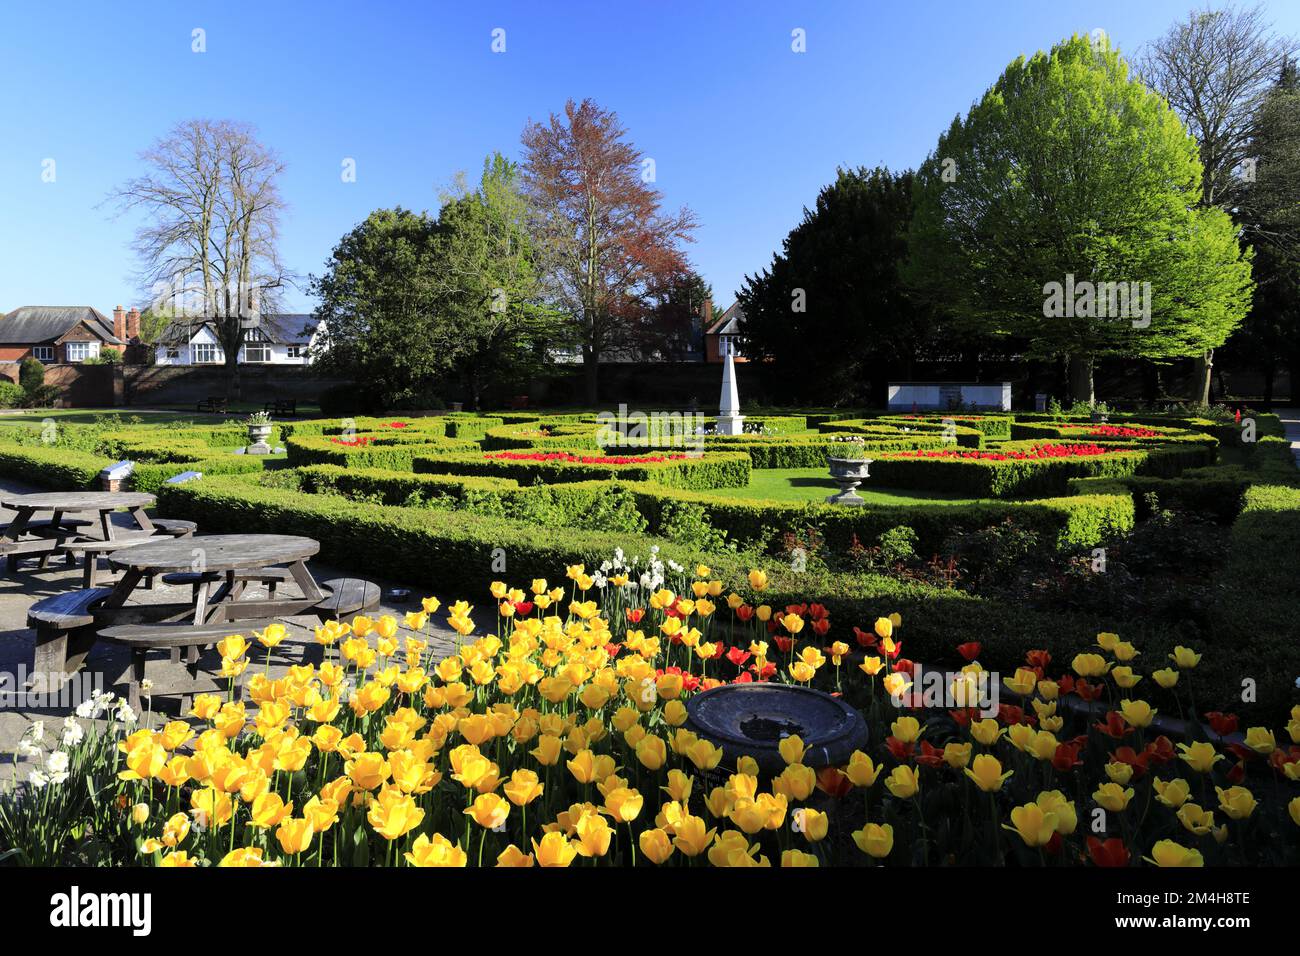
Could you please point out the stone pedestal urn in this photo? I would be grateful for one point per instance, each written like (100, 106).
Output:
(848, 473)
(257, 439)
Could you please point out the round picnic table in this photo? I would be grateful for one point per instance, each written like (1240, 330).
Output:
(100, 503)
(214, 560)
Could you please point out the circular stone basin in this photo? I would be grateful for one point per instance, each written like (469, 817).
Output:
(751, 720)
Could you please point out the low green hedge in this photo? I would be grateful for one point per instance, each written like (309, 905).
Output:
(429, 426)
(558, 436)
(710, 470)
(393, 452)
(810, 451)
(60, 469)
(1079, 521)
(453, 554)
(991, 426)
(66, 470)
(1256, 638)
(880, 428)
(1019, 478)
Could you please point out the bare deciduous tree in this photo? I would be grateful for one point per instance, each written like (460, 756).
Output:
(1216, 68)
(208, 241)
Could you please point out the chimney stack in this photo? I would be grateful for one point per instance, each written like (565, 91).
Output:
(708, 313)
(133, 325)
(119, 323)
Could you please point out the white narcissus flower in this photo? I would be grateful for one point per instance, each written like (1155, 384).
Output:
(37, 731)
(37, 778)
(124, 712)
(57, 761)
(73, 732)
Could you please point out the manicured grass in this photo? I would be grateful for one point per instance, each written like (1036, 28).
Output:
(814, 484)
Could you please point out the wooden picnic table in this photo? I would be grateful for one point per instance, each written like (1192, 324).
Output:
(100, 503)
(217, 559)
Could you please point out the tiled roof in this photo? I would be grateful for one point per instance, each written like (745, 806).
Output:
(45, 323)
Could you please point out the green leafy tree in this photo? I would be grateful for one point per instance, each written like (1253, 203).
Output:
(1269, 212)
(1064, 209)
(831, 311)
(490, 289)
(379, 304)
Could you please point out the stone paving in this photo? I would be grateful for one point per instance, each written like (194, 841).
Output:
(107, 666)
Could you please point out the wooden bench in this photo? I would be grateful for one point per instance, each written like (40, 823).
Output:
(140, 639)
(270, 578)
(63, 635)
(282, 406)
(174, 527)
(519, 402)
(46, 535)
(213, 403)
(346, 596)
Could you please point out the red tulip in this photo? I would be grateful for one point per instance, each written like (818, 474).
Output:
(1111, 853)
(970, 650)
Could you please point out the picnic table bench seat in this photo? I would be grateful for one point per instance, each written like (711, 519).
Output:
(62, 622)
(175, 527)
(213, 403)
(346, 596)
(140, 639)
(270, 578)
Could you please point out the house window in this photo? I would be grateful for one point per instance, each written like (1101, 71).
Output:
(43, 353)
(80, 351)
(257, 352)
(205, 353)
(173, 354)
(295, 351)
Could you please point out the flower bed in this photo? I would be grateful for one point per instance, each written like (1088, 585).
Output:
(1036, 453)
(709, 470)
(571, 458)
(1028, 469)
(554, 736)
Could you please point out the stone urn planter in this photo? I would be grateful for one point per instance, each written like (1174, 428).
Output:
(752, 719)
(259, 432)
(848, 473)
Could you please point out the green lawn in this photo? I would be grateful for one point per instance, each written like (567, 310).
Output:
(814, 484)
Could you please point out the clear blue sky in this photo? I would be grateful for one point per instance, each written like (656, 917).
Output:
(742, 130)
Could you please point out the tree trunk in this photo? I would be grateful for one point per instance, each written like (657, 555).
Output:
(591, 374)
(1270, 373)
(1204, 368)
(233, 383)
(1080, 375)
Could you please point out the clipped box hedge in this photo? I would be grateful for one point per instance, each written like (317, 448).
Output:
(997, 427)
(876, 428)
(393, 452)
(710, 470)
(1019, 478)
(1078, 521)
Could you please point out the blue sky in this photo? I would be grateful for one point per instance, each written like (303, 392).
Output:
(742, 130)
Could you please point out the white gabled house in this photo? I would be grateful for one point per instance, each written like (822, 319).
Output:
(281, 339)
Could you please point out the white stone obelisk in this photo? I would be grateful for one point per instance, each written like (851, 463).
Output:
(730, 421)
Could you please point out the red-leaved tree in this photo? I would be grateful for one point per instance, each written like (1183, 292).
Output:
(605, 241)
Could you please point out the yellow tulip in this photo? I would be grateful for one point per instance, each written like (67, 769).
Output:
(987, 773)
(875, 840)
(1169, 853)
